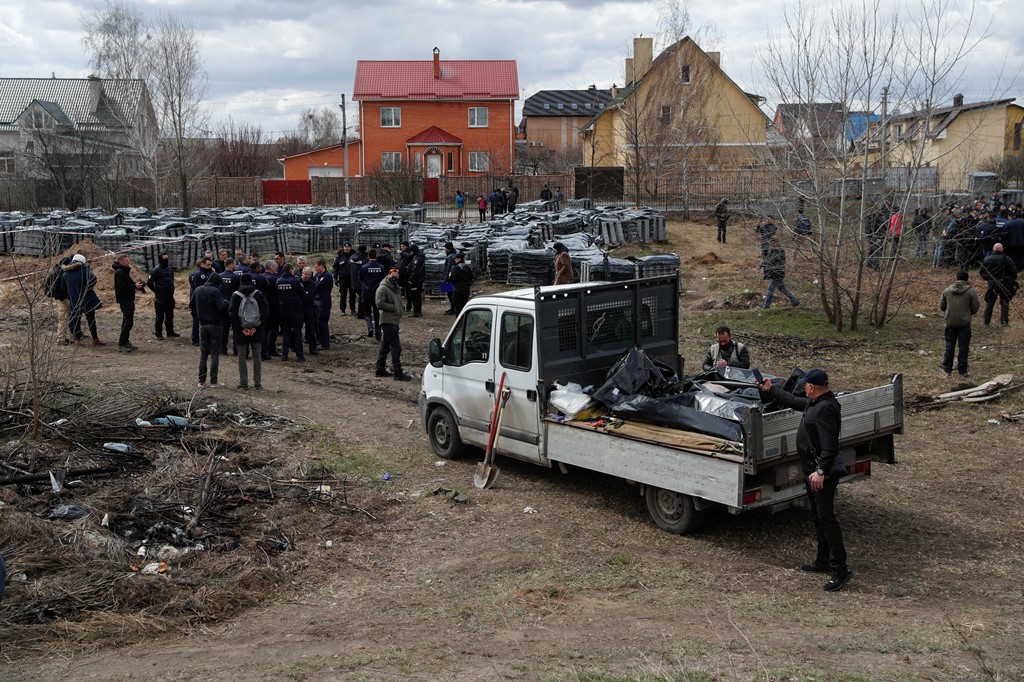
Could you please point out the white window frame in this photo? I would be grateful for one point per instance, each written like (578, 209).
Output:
(474, 117)
(39, 119)
(395, 117)
(7, 163)
(391, 162)
(474, 162)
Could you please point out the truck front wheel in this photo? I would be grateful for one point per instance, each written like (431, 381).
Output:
(444, 434)
(672, 511)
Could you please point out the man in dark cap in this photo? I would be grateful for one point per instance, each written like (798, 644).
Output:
(343, 279)
(461, 278)
(417, 276)
(161, 281)
(1001, 274)
(388, 299)
(563, 266)
(817, 444)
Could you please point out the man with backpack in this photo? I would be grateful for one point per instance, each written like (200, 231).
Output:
(802, 228)
(726, 352)
(248, 310)
(54, 287)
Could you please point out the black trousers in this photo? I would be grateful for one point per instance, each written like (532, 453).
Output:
(721, 231)
(348, 296)
(827, 532)
(164, 305)
(460, 297)
(957, 336)
(389, 343)
(416, 298)
(127, 322)
(997, 291)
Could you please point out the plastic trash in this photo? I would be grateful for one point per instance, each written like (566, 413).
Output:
(119, 447)
(386, 477)
(161, 421)
(152, 568)
(993, 421)
(529, 510)
(139, 421)
(175, 420)
(66, 512)
(440, 463)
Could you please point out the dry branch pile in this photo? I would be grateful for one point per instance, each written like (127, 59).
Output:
(192, 525)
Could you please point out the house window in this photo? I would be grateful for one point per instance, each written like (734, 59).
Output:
(478, 117)
(391, 162)
(390, 117)
(684, 74)
(1016, 136)
(666, 115)
(419, 162)
(478, 162)
(7, 163)
(451, 162)
(39, 119)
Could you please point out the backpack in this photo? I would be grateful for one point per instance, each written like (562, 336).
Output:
(248, 311)
(803, 224)
(54, 286)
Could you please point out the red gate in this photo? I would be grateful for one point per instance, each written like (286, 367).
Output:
(431, 190)
(287, 192)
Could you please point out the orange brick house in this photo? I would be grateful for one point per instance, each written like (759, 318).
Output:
(324, 162)
(441, 117)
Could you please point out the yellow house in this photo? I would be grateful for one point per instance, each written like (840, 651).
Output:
(956, 140)
(678, 114)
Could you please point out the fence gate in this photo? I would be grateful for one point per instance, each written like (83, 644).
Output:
(430, 190)
(287, 192)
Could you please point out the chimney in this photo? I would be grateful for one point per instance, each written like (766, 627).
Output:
(643, 55)
(629, 70)
(958, 100)
(716, 57)
(437, 64)
(614, 91)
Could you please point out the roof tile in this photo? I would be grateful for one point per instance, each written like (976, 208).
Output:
(460, 79)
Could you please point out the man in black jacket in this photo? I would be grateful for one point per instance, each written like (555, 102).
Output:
(124, 292)
(196, 279)
(161, 282)
(1001, 274)
(774, 266)
(343, 278)
(209, 307)
(417, 276)
(817, 444)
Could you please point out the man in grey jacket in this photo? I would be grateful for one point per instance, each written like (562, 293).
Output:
(958, 303)
(388, 299)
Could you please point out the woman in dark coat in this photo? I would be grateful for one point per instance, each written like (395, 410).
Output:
(82, 299)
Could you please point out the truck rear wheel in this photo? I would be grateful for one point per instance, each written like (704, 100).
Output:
(672, 511)
(444, 434)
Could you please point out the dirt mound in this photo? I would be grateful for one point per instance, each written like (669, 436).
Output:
(709, 258)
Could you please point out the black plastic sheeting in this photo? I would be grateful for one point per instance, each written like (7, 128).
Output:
(672, 411)
(635, 373)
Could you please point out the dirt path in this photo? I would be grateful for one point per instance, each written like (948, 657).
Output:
(587, 588)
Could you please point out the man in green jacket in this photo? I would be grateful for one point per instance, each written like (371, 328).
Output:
(958, 303)
(721, 218)
(388, 298)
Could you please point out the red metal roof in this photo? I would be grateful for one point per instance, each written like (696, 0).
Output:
(434, 135)
(460, 79)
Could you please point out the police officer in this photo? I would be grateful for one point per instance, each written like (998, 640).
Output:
(267, 283)
(290, 294)
(370, 276)
(196, 279)
(343, 279)
(323, 287)
(309, 308)
(161, 283)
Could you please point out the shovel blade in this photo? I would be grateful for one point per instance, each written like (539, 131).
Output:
(483, 472)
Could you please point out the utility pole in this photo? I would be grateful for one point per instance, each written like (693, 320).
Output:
(344, 150)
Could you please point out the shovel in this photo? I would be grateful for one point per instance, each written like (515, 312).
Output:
(486, 472)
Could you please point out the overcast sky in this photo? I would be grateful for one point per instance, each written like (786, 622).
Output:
(269, 59)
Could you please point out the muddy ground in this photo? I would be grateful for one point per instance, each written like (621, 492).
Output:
(587, 587)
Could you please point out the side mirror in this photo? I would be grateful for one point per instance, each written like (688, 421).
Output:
(435, 353)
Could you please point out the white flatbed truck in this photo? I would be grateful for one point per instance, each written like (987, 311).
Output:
(576, 333)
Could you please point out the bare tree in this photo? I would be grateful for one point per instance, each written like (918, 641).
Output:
(241, 151)
(854, 57)
(116, 40)
(180, 85)
(320, 127)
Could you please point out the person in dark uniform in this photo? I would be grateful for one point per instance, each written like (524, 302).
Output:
(817, 444)
(229, 285)
(124, 293)
(290, 294)
(355, 263)
(343, 279)
(1001, 274)
(161, 283)
(403, 262)
(309, 309)
(461, 278)
(323, 287)
(417, 276)
(449, 263)
(267, 283)
(196, 279)
(209, 308)
(370, 276)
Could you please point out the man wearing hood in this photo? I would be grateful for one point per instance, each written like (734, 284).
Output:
(124, 293)
(388, 299)
(82, 299)
(563, 266)
(248, 338)
(161, 282)
(958, 303)
(209, 307)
